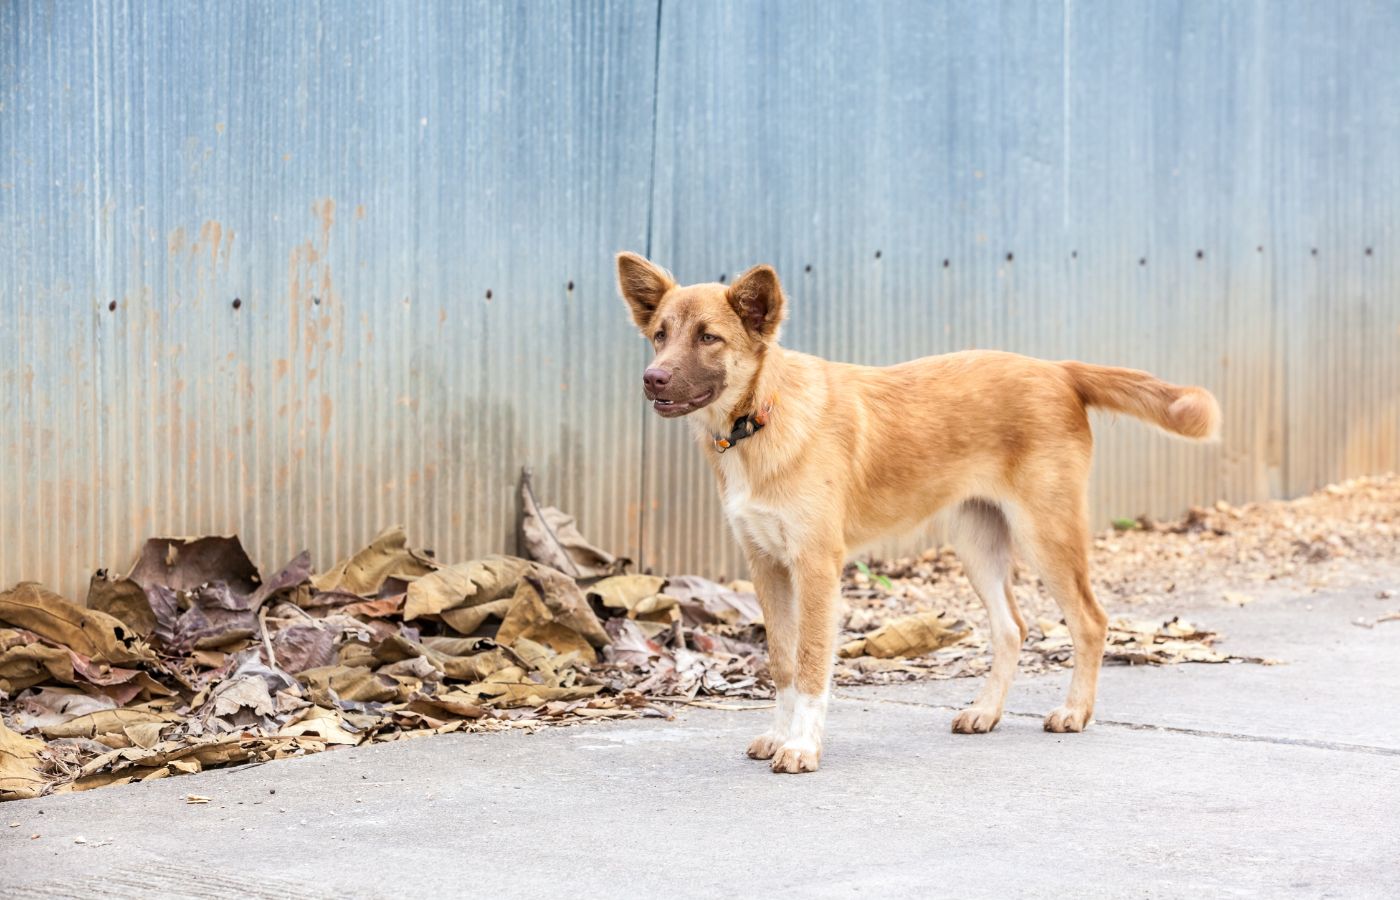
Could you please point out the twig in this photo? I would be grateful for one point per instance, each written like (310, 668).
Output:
(530, 505)
(709, 704)
(303, 613)
(267, 642)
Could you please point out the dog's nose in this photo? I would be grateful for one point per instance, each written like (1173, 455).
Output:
(656, 379)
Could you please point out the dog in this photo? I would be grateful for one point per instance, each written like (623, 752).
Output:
(815, 459)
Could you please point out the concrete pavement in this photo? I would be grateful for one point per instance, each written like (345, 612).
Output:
(1224, 780)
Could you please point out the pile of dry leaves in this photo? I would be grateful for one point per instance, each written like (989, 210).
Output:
(195, 659)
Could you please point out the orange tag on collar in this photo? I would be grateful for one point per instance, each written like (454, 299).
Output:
(762, 416)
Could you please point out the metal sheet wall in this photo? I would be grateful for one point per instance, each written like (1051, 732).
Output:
(1143, 187)
(395, 198)
(1139, 187)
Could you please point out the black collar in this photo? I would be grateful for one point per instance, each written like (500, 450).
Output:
(744, 427)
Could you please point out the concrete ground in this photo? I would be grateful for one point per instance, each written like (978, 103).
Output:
(1217, 780)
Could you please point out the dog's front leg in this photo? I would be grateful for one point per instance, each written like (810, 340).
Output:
(817, 582)
(773, 582)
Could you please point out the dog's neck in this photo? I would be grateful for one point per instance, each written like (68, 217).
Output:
(758, 398)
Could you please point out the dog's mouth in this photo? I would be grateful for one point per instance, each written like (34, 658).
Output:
(669, 408)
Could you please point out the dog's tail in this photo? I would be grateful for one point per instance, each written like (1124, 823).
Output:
(1188, 411)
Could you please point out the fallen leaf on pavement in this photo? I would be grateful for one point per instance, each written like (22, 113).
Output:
(21, 766)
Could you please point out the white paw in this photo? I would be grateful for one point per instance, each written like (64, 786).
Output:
(765, 745)
(976, 720)
(1066, 718)
(797, 756)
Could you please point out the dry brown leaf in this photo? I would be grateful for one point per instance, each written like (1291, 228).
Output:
(624, 592)
(122, 599)
(21, 766)
(294, 575)
(323, 723)
(352, 683)
(25, 664)
(531, 617)
(95, 635)
(145, 735)
(97, 780)
(183, 564)
(908, 636)
(703, 601)
(105, 721)
(447, 706)
(522, 693)
(466, 584)
(467, 619)
(305, 645)
(387, 556)
(475, 667)
(458, 646)
(383, 608)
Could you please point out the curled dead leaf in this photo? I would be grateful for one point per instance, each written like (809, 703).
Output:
(93, 634)
(364, 572)
(908, 636)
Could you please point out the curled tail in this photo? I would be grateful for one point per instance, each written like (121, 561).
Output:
(1188, 411)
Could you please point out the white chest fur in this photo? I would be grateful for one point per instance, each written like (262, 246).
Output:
(773, 528)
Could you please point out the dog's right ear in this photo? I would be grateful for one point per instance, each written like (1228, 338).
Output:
(757, 296)
(643, 284)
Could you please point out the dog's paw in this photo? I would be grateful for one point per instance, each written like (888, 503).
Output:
(764, 746)
(796, 757)
(1066, 719)
(976, 720)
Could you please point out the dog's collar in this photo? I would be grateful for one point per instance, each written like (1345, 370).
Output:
(745, 427)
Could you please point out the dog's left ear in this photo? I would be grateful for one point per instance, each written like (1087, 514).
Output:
(643, 284)
(757, 297)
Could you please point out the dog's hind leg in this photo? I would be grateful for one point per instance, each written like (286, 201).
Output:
(981, 536)
(772, 582)
(817, 581)
(1058, 542)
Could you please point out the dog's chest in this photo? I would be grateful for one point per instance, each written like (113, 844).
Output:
(771, 527)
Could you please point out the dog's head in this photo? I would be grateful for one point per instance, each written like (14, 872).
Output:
(709, 338)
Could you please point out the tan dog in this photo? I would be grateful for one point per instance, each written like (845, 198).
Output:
(816, 458)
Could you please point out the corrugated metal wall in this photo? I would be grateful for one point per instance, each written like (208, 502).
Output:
(300, 270)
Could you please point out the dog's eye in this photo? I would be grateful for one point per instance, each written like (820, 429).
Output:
(708, 338)
(660, 336)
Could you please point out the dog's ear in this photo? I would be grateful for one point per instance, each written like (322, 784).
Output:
(758, 299)
(643, 284)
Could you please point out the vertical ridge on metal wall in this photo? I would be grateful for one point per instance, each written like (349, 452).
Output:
(302, 272)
